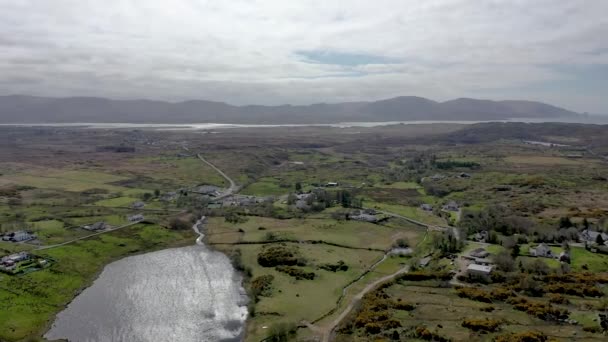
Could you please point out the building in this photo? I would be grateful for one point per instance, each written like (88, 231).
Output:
(591, 236)
(426, 207)
(541, 250)
(96, 226)
(424, 262)
(361, 216)
(19, 236)
(136, 218)
(209, 190)
(331, 184)
(138, 205)
(464, 175)
(483, 271)
(451, 206)
(479, 253)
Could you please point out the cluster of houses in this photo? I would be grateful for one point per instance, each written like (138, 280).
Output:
(544, 251)
(20, 262)
(481, 265)
(19, 236)
(449, 206)
(367, 215)
(239, 201)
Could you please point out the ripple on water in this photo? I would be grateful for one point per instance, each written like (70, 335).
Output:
(184, 294)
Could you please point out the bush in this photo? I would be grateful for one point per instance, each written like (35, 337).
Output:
(296, 272)
(425, 334)
(339, 266)
(261, 286)
(482, 325)
(474, 294)
(538, 309)
(527, 336)
(277, 256)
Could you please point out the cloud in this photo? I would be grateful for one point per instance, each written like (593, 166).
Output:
(272, 51)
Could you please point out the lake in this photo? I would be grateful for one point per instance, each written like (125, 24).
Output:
(181, 294)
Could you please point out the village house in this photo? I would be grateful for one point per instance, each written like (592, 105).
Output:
(541, 250)
(138, 205)
(96, 226)
(136, 218)
(426, 207)
(591, 236)
(481, 271)
(331, 184)
(451, 206)
(362, 216)
(209, 190)
(19, 236)
(424, 262)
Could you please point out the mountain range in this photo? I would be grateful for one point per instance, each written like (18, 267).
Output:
(31, 109)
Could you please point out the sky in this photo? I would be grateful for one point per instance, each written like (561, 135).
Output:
(308, 51)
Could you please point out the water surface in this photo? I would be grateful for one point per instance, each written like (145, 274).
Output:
(183, 294)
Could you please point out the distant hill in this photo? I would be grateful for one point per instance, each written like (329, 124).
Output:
(30, 109)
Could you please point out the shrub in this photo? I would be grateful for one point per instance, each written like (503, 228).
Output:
(339, 266)
(261, 286)
(527, 336)
(558, 299)
(276, 256)
(425, 334)
(538, 309)
(296, 272)
(483, 325)
(474, 294)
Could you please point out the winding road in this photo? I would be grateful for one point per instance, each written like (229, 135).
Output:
(233, 187)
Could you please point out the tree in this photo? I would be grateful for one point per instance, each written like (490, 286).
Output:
(298, 187)
(599, 239)
(565, 222)
(147, 196)
(585, 223)
(504, 261)
(515, 251)
(291, 199)
(156, 193)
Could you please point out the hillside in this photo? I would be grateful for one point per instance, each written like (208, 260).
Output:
(29, 109)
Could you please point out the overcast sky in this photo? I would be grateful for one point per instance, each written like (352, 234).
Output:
(305, 51)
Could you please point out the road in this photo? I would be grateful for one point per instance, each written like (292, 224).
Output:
(422, 224)
(329, 330)
(86, 237)
(233, 187)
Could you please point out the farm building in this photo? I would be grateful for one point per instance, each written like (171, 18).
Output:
(426, 207)
(541, 250)
(451, 206)
(136, 218)
(19, 236)
(482, 271)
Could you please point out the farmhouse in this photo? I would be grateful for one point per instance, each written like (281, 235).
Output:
(424, 262)
(209, 190)
(331, 184)
(138, 205)
(19, 236)
(482, 271)
(426, 207)
(362, 216)
(96, 226)
(593, 236)
(541, 250)
(451, 206)
(136, 218)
